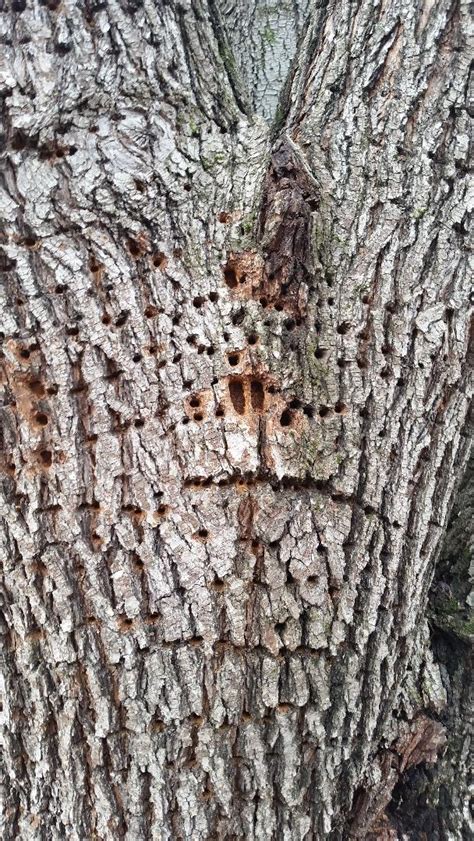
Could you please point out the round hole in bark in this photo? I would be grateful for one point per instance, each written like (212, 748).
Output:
(203, 533)
(344, 328)
(198, 417)
(309, 411)
(365, 299)
(224, 217)
(61, 288)
(138, 423)
(25, 353)
(279, 307)
(195, 402)
(133, 247)
(233, 359)
(159, 260)
(323, 411)
(312, 580)
(290, 324)
(210, 351)
(198, 301)
(220, 412)
(331, 302)
(213, 296)
(18, 6)
(295, 404)
(340, 408)
(285, 418)
(263, 302)
(106, 319)
(150, 311)
(230, 276)
(41, 418)
(252, 339)
(185, 421)
(46, 457)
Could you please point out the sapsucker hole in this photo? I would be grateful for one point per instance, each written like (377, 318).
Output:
(257, 395)
(230, 277)
(237, 396)
(159, 260)
(286, 418)
(233, 359)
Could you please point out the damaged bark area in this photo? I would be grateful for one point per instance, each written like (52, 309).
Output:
(235, 409)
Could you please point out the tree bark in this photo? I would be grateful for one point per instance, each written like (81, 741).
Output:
(235, 360)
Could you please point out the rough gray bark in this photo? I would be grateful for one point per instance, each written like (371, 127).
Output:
(236, 380)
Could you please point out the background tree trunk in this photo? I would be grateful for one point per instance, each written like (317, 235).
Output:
(237, 384)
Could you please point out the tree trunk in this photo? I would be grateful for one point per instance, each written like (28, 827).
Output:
(237, 386)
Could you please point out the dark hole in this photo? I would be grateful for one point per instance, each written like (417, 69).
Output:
(312, 579)
(308, 411)
(243, 278)
(185, 421)
(365, 299)
(330, 302)
(46, 457)
(339, 407)
(224, 217)
(252, 339)
(263, 302)
(295, 404)
(213, 296)
(106, 319)
(203, 533)
(139, 423)
(122, 319)
(237, 397)
(256, 395)
(290, 324)
(18, 6)
(317, 326)
(72, 331)
(198, 302)
(150, 311)
(344, 327)
(285, 418)
(198, 417)
(62, 49)
(219, 412)
(279, 307)
(159, 260)
(323, 411)
(60, 288)
(233, 359)
(133, 247)
(41, 418)
(230, 277)
(30, 242)
(272, 389)
(195, 402)
(210, 351)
